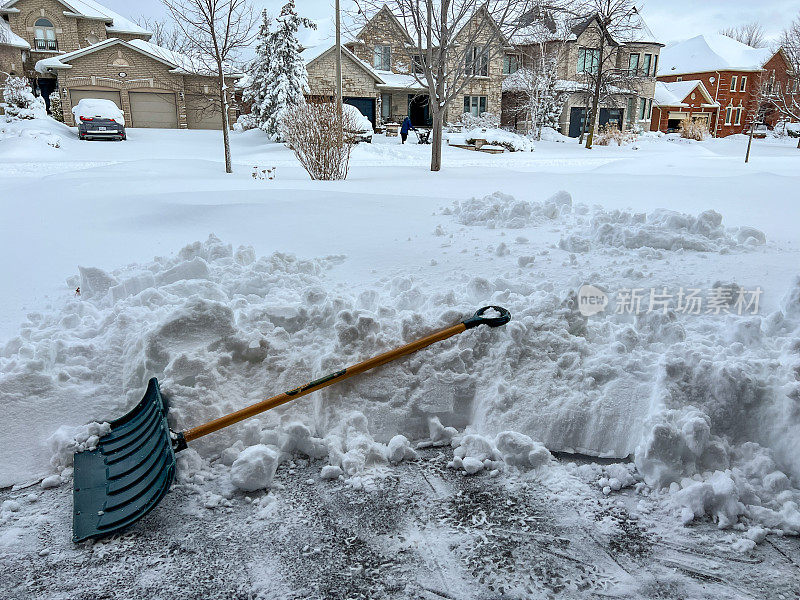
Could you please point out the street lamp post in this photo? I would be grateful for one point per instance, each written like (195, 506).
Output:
(339, 71)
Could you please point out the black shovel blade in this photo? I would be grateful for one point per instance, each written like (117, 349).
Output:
(128, 473)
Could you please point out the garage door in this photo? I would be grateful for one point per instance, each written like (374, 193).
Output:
(76, 96)
(203, 112)
(150, 109)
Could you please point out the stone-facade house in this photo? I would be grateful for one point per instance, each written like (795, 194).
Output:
(379, 67)
(734, 74)
(379, 73)
(575, 48)
(81, 49)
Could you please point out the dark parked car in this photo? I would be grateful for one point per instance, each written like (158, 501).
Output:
(98, 119)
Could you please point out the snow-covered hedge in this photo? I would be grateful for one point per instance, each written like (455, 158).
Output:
(512, 142)
(19, 101)
(245, 123)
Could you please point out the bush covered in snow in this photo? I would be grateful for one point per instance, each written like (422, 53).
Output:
(19, 101)
(245, 123)
(513, 142)
(693, 130)
(486, 120)
(610, 134)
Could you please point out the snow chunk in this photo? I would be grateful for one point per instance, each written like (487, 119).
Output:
(399, 449)
(519, 450)
(500, 210)
(254, 468)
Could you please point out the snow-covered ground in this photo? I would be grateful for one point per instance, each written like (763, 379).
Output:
(229, 289)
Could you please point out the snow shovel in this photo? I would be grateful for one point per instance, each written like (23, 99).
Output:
(133, 466)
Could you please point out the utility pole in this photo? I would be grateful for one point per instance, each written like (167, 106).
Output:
(339, 72)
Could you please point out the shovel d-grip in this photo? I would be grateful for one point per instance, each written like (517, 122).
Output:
(133, 466)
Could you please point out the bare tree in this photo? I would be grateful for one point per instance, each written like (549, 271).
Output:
(216, 30)
(453, 42)
(750, 34)
(165, 35)
(784, 98)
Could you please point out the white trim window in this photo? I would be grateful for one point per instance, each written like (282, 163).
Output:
(738, 115)
(475, 105)
(44, 34)
(733, 83)
(743, 84)
(382, 58)
(728, 115)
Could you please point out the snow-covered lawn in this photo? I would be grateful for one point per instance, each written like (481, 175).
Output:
(300, 278)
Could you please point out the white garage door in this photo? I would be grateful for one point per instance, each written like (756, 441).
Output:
(76, 96)
(203, 112)
(150, 109)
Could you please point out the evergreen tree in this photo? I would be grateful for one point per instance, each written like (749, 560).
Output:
(287, 81)
(260, 69)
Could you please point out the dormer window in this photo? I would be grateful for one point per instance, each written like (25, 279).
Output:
(44, 35)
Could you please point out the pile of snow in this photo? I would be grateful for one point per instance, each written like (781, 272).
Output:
(551, 135)
(474, 452)
(500, 210)
(661, 229)
(513, 142)
(98, 108)
(24, 138)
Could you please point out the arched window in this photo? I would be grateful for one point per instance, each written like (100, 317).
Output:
(45, 35)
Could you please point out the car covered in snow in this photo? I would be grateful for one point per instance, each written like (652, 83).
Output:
(357, 127)
(97, 118)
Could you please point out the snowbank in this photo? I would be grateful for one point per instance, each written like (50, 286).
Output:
(513, 142)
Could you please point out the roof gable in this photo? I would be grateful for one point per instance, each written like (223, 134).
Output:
(312, 55)
(89, 9)
(385, 12)
(675, 93)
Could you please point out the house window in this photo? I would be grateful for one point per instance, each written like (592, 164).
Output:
(739, 116)
(477, 61)
(382, 59)
(679, 78)
(728, 115)
(633, 63)
(743, 85)
(648, 59)
(475, 105)
(386, 107)
(655, 65)
(588, 60)
(510, 64)
(417, 65)
(642, 108)
(631, 109)
(45, 35)
(733, 83)
(649, 109)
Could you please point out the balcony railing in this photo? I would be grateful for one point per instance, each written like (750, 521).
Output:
(49, 45)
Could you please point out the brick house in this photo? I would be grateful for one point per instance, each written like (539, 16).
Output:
(734, 75)
(679, 102)
(634, 59)
(379, 69)
(84, 50)
(13, 51)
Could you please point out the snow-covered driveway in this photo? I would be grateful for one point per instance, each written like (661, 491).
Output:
(300, 278)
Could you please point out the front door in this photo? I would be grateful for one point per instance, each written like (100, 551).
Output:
(366, 107)
(577, 120)
(418, 110)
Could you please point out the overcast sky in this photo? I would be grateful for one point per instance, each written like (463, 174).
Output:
(670, 20)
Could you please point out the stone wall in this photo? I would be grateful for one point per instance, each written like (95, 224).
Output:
(355, 80)
(10, 61)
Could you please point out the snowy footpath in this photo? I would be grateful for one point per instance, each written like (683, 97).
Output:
(634, 432)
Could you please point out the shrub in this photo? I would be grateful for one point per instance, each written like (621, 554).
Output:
(313, 131)
(610, 133)
(245, 123)
(486, 120)
(693, 130)
(56, 110)
(19, 101)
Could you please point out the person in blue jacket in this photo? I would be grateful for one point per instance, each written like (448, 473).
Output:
(404, 129)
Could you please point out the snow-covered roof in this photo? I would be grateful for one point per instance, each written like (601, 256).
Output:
(711, 52)
(309, 55)
(541, 25)
(89, 9)
(180, 63)
(674, 93)
(9, 38)
(400, 80)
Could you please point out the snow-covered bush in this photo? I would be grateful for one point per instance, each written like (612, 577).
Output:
(693, 130)
(56, 110)
(313, 130)
(245, 123)
(19, 101)
(513, 142)
(486, 120)
(611, 134)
